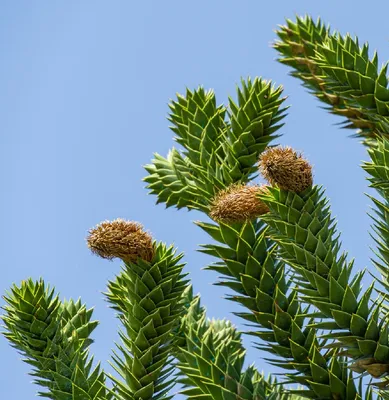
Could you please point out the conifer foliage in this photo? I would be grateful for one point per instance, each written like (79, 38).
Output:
(276, 249)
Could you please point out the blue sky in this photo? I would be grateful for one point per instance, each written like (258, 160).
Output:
(84, 93)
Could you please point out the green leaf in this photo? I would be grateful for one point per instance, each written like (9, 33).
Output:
(349, 303)
(358, 325)
(342, 318)
(230, 236)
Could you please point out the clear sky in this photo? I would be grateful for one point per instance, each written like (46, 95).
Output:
(84, 88)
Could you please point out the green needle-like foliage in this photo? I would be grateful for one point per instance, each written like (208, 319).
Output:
(147, 297)
(378, 170)
(211, 356)
(172, 181)
(251, 268)
(54, 338)
(339, 72)
(216, 152)
(198, 124)
(306, 235)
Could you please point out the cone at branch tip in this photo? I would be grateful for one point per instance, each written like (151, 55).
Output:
(285, 168)
(238, 203)
(121, 239)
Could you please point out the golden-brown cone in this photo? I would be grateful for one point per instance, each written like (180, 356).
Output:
(282, 166)
(122, 239)
(238, 203)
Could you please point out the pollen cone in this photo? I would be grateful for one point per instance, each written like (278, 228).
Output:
(238, 203)
(122, 239)
(282, 166)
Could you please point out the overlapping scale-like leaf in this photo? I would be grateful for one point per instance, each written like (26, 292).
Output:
(339, 72)
(147, 297)
(378, 170)
(297, 46)
(171, 179)
(54, 337)
(210, 359)
(251, 269)
(306, 234)
(198, 124)
(357, 80)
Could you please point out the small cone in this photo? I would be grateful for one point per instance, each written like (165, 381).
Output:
(286, 169)
(238, 203)
(121, 239)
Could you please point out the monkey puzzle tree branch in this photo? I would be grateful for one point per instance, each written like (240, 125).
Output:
(147, 296)
(54, 338)
(305, 232)
(250, 267)
(253, 122)
(211, 357)
(378, 170)
(338, 72)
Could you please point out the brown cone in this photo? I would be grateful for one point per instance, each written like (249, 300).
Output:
(238, 203)
(286, 169)
(122, 239)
